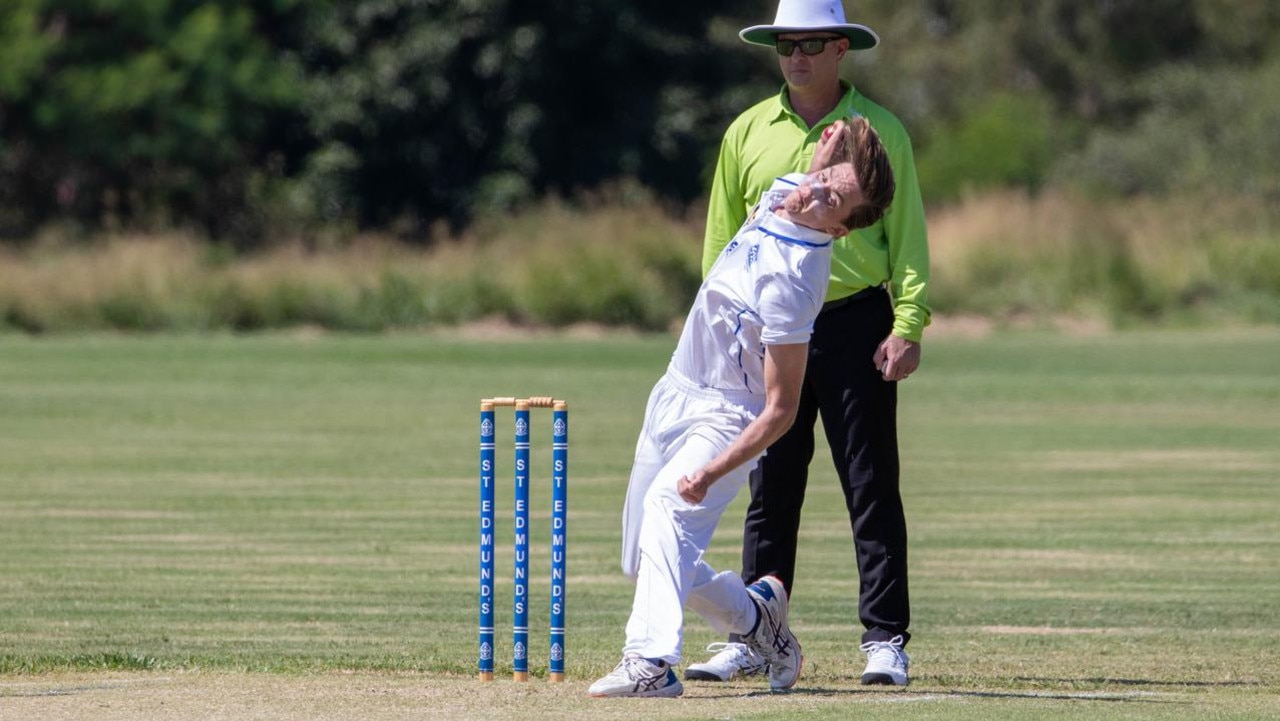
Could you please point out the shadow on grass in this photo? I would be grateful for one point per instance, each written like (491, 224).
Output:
(76, 689)
(64, 691)
(925, 695)
(1133, 682)
(1063, 696)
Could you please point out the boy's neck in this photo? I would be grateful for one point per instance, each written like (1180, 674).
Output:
(781, 212)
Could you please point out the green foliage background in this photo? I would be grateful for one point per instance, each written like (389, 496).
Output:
(248, 120)
(162, 162)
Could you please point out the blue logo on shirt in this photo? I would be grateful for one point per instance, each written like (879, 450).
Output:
(731, 247)
(753, 255)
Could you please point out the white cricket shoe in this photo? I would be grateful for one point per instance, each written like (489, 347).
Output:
(730, 660)
(636, 676)
(887, 663)
(772, 637)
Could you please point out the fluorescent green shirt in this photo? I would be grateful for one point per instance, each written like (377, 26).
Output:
(770, 140)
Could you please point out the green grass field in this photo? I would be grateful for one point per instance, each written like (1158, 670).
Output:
(1095, 529)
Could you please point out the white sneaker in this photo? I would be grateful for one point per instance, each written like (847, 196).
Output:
(887, 663)
(772, 638)
(637, 676)
(730, 660)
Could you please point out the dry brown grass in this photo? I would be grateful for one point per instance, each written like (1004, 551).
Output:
(1011, 254)
(394, 696)
(1055, 259)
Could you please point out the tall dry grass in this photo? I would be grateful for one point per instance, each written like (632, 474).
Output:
(1142, 260)
(629, 263)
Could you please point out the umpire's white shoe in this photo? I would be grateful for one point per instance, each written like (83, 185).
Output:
(637, 676)
(772, 637)
(887, 663)
(730, 660)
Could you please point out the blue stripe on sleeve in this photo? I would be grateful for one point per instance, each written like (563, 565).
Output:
(794, 241)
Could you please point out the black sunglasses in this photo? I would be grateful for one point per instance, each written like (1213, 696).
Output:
(808, 46)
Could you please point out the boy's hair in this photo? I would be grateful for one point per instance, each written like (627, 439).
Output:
(870, 161)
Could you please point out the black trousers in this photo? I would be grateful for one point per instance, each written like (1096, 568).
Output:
(859, 414)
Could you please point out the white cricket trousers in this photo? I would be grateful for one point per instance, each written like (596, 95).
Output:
(664, 537)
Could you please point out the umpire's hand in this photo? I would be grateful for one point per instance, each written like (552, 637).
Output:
(897, 358)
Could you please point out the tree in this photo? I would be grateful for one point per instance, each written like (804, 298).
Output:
(431, 109)
(143, 113)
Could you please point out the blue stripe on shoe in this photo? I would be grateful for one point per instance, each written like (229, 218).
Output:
(764, 589)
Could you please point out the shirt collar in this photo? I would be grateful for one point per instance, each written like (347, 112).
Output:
(844, 108)
(788, 231)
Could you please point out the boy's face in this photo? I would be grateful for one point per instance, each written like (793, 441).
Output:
(825, 199)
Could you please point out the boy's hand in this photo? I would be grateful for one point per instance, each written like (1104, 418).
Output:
(830, 147)
(694, 488)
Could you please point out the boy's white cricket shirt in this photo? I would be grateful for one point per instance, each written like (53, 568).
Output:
(766, 288)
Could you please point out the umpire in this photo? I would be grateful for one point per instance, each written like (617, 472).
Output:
(865, 340)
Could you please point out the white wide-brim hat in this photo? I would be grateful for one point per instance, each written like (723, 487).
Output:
(806, 16)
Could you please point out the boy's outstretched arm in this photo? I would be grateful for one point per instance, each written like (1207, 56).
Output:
(784, 367)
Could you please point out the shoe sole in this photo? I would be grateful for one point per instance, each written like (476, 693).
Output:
(795, 642)
(799, 668)
(695, 675)
(671, 691)
(882, 679)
